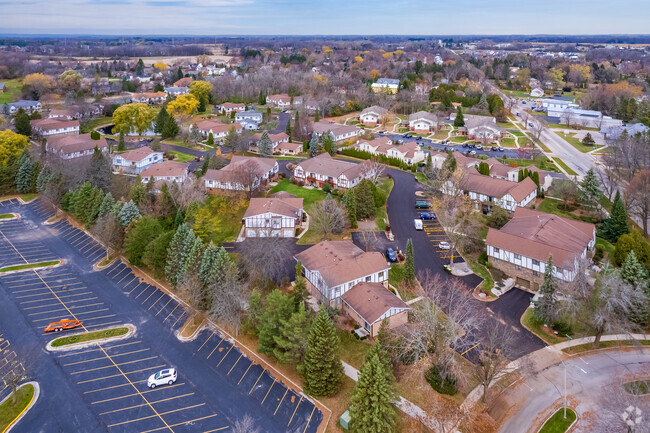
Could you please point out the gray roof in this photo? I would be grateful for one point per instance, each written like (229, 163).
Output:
(177, 89)
(23, 103)
(393, 81)
(613, 132)
(249, 113)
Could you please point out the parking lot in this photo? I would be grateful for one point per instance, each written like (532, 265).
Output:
(436, 234)
(217, 383)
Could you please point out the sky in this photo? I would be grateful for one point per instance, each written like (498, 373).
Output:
(324, 17)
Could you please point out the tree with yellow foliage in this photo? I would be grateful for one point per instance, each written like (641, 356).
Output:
(12, 145)
(358, 59)
(327, 50)
(201, 91)
(579, 74)
(70, 81)
(36, 85)
(398, 52)
(183, 106)
(160, 66)
(131, 118)
(387, 55)
(556, 76)
(374, 74)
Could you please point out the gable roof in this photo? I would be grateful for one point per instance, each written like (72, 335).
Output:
(326, 165)
(494, 187)
(138, 154)
(72, 143)
(372, 300)
(423, 115)
(341, 261)
(388, 81)
(287, 206)
(229, 173)
(335, 128)
(166, 169)
(375, 109)
(216, 126)
(49, 123)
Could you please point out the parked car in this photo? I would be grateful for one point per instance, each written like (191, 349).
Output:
(163, 377)
(479, 147)
(427, 216)
(501, 149)
(418, 224)
(470, 145)
(444, 245)
(495, 148)
(531, 124)
(390, 254)
(421, 204)
(473, 152)
(465, 145)
(63, 325)
(517, 113)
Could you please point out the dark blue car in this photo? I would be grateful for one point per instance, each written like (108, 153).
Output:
(427, 216)
(390, 254)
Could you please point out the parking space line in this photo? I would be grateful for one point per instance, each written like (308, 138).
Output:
(160, 416)
(224, 356)
(96, 350)
(285, 394)
(163, 294)
(160, 311)
(233, 366)
(103, 357)
(131, 395)
(143, 290)
(124, 384)
(188, 422)
(212, 431)
(179, 318)
(103, 324)
(294, 411)
(144, 404)
(242, 377)
(114, 364)
(155, 290)
(115, 375)
(309, 420)
(113, 270)
(208, 339)
(255, 384)
(131, 280)
(267, 392)
(215, 348)
(124, 277)
(134, 287)
(118, 274)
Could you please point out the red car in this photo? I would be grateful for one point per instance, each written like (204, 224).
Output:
(63, 325)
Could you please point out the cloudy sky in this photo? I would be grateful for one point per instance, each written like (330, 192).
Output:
(327, 17)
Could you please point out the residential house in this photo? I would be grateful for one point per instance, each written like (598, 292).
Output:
(54, 126)
(373, 116)
(556, 103)
(332, 268)
(273, 217)
(614, 132)
(410, 153)
(136, 160)
(480, 128)
(423, 122)
(488, 191)
(27, 105)
(75, 112)
(323, 169)
(387, 85)
(166, 171)
(218, 129)
(177, 90)
(522, 247)
(244, 173)
(73, 146)
(289, 148)
(149, 97)
(283, 100)
(276, 140)
(184, 82)
(228, 107)
(340, 132)
(250, 119)
(369, 304)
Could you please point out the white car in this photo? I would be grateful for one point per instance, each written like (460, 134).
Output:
(444, 245)
(418, 225)
(163, 377)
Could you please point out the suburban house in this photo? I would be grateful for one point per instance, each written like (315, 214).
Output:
(27, 105)
(74, 145)
(340, 132)
(500, 170)
(333, 267)
(369, 304)
(489, 191)
(75, 112)
(276, 140)
(136, 160)
(229, 107)
(522, 247)
(250, 119)
(184, 82)
(289, 148)
(283, 100)
(175, 91)
(614, 132)
(555, 103)
(242, 174)
(54, 126)
(372, 116)
(323, 169)
(218, 129)
(388, 85)
(410, 153)
(480, 128)
(276, 217)
(166, 171)
(149, 98)
(423, 122)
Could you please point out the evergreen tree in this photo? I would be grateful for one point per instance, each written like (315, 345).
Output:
(193, 261)
(483, 168)
(616, 225)
(128, 213)
(299, 292)
(350, 200)
(24, 174)
(255, 311)
(287, 130)
(278, 308)
(161, 119)
(588, 140)
(429, 161)
(170, 130)
(333, 146)
(139, 68)
(100, 172)
(633, 272)
(261, 99)
(195, 134)
(178, 75)
(107, 204)
(211, 139)
(178, 251)
(95, 135)
(450, 162)
(409, 263)
(327, 141)
(365, 199)
(291, 343)
(313, 144)
(459, 121)
(117, 207)
(264, 145)
(589, 189)
(372, 409)
(155, 253)
(121, 146)
(138, 191)
(202, 106)
(21, 123)
(546, 305)
(322, 367)
(43, 178)
(317, 116)
(205, 165)
(144, 230)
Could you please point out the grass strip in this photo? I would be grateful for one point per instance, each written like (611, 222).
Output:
(564, 166)
(638, 387)
(89, 336)
(557, 423)
(6, 216)
(530, 322)
(29, 266)
(604, 345)
(9, 412)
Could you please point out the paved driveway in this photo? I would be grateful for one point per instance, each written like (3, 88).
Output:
(428, 143)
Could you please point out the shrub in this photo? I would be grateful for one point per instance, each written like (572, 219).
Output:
(598, 254)
(443, 386)
(483, 258)
(327, 188)
(562, 328)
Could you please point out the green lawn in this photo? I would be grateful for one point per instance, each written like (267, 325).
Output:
(542, 163)
(564, 166)
(29, 266)
(12, 91)
(517, 133)
(395, 274)
(550, 205)
(575, 142)
(353, 351)
(6, 215)
(563, 126)
(9, 413)
(638, 387)
(89, 336)
(386, 185)
(87, 126)
(482, 271)
(508, 142)
(420, 177)
(310, 196)
(517, 93)
(524, 141)
(180, 156)
(506, 125)
(530, 321)
(557, 423)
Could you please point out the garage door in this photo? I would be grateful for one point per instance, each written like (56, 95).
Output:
(523, 283)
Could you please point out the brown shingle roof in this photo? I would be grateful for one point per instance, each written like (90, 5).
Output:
(498, 188)
(166, 169)
(229, 172)
(184, 82)
(538, 235)
(326, 165)
(341, 261)
(74, 143)
(53, 123)
(372, 300)
(138, 154)
(289, 207)
(216, 126)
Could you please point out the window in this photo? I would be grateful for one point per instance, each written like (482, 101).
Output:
(535, 262)
(517, 256)
(368, 278)
(517, 267)
(495, 250)
(381, 275)
(535, 273)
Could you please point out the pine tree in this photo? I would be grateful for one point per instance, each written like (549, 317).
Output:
(195, 134)
(255, 312)
(372, 409)
(450, 162)
(170, 130)
(459, 121)
(351, 205)
(117, 207)
(429, 161)
(322, 367)
(616, 225)
(100, 172)
(333, 146)
(161, 119)
(211, 139)
(128, 213)
(21, 123)
(107, 204)
(43, 178)
(327, 141)
(139, 68)
(121, 146)
(24, 174)
(588, 140)
(546, 305)
(278, 308)
(179, 74)
(179, 248)
(313, 144)
(299, 292)
(261, 99)
(317, 116)
(589, 189)
(409, 263)
(288, 128)
(264, 145)
(633, 272)
(365, 199)
(291, 343)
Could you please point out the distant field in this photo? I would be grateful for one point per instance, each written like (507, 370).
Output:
(12, 91)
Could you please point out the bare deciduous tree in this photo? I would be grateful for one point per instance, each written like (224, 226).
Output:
(622, 411)
(539, 125)
(493, 361)
(109, 232)
(245, 425)
(267, 257)
(373, 169)
(328, 217)
(229, 300)
(187, 192)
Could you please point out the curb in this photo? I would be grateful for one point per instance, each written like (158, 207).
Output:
(15, 216)
(197, 331)
(21, 415)
(556, 411)
(62, 262)
(84, 344)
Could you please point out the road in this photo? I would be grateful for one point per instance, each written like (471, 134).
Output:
(431, 144)
(590, 378)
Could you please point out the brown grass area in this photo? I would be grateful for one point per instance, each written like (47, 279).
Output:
(194, 322)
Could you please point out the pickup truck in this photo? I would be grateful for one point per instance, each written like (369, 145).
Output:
(63, 325)
(421, 204)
